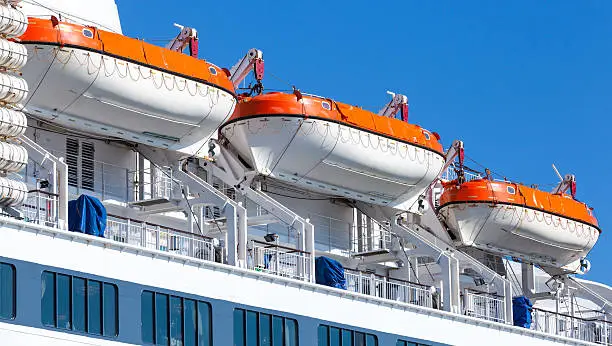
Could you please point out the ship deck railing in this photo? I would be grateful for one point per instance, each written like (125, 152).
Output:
(160, 238)
(150, 183)
(279, 260)
(591, 330)
(389, 288)
(451, 174)
(41, 207)
(486, 306)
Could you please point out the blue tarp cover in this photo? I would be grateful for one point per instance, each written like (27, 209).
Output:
(329, 272)
(87, 214)
(521, 310)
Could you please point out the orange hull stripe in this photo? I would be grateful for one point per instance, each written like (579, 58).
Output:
(42, 31)
(287, 104)
(485, 191)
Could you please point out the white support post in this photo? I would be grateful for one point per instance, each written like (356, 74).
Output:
(528, 279)
(241, 229)
(445, 285)
(455, 285)
(508, 302)
(309, 237)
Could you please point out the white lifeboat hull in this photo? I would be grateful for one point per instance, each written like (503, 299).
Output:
(335, 159)
(112, 97)
(521, 232)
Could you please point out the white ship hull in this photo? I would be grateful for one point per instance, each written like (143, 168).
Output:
(225, 287)
(520, 232)
(111, 97)
(336, 159)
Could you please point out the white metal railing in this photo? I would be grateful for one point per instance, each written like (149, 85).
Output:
(382, 287)
(485, 306)
(113, 182)
(373, 238)
(151, 183)
(159, 238)
(549, 322)
(450, 174)
(279, 260)
(41, 207)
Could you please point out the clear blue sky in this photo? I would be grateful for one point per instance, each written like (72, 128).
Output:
(523, 83)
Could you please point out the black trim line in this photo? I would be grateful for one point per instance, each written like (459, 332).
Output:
(332, 121)
(520, 205)
(68, 45)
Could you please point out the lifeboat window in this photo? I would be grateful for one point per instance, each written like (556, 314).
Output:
(326, 105)
(427, 136)
(213, 71)
(511, 190)
(88, 33)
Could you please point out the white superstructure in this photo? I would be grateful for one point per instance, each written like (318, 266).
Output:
(213, 250)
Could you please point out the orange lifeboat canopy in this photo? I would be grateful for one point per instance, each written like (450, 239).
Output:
(284, 104)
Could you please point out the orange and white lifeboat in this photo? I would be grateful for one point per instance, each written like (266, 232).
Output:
(334, 148)
(516, 220)
(116, 86)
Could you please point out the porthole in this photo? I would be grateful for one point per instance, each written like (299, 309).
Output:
(326, 105)
(427, 135)
(511, 190)
(213, 71)
(88, 33)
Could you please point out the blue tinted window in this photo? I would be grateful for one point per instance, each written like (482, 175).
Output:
(204, 324)
(291, 333)
(147, 317)
(347, 337)
(110, 309)
(161, 319)
(408, 343)
(48, 299)
(94, 306)
(265, 330)
(64, 295)
(239, 327)
(7, 291)
(260, 329)
(191, 331)
(79, 304)
(323, 335)
(334, 336)
(251, 328)
(277, 330)
(176, 321)
(359, 339)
